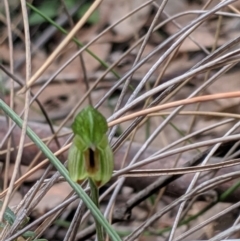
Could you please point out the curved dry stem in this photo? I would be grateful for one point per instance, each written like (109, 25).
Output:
(203, 98)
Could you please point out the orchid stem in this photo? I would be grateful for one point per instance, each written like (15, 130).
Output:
(95, 198)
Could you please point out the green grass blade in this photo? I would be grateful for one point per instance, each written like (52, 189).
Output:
(74, 39)
(62, 170)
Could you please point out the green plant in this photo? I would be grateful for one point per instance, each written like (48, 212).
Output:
(62, 170)
(9, 218)
(90, 155)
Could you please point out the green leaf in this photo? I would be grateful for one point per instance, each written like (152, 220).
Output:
(8, 215)
(29, 234)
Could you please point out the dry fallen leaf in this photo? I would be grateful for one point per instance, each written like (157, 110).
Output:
(112, 11)
(226, 83)
(58, 99)
(53, 197)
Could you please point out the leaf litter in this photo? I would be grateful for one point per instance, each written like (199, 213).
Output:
(60, 96)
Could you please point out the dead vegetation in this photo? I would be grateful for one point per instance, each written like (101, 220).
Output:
(165, 74)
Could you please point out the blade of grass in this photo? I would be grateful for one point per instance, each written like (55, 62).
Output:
(62, 170)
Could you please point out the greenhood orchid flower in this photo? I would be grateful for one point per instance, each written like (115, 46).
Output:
(90, 155)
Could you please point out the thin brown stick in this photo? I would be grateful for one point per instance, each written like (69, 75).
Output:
(203, 98)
